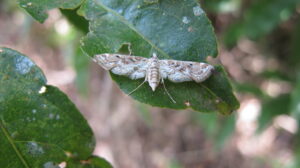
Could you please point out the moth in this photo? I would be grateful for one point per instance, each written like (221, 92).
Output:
(154, 70)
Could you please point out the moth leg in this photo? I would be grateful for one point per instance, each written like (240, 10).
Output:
(129, 48)
(137, 87)
(162, 81)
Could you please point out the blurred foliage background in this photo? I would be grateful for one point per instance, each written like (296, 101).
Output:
(259, 45)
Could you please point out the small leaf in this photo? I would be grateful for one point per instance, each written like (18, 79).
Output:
(260, 18)
(218, 128)
(81, 65)
(250, 88)
(38, 8)
(295, 100)
(39, 125)
(176, 30)
(277, 75)
(272, 108)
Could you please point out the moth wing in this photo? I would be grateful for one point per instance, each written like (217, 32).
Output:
(182, 71)
(132, 66)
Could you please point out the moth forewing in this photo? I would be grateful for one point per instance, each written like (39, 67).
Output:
(201, 71)
(183, 71)
(105, 61)
(131, 66)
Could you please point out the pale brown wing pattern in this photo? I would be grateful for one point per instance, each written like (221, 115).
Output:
(132, 66)
(181, 71)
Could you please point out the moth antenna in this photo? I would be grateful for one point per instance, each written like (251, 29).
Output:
(162, 81)
(137, 88)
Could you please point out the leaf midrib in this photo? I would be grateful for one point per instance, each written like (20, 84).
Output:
(13, 145)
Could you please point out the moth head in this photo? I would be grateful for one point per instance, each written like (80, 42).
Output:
(154, 55)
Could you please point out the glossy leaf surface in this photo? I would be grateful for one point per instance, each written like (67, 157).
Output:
(39, 125)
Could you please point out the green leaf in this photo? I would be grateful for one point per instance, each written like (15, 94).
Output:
(176, 30)
(295, 100)
(39, 125)
(226, 130)
(260, 18)
(145, 114)
(296, 151)
(208, 122)
(81, 64)
(97, 162)
(38, 8)
(218, 128)
(250, 88)
(277, 75)
(272, 108)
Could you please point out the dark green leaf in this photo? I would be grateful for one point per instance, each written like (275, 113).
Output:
(78, 21)
(295, 49)
(176, 30)
(39, 125)
(38, 8)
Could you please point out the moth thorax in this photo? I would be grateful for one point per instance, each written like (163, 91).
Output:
(153, 76)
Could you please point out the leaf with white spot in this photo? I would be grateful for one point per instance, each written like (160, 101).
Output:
(39, 125)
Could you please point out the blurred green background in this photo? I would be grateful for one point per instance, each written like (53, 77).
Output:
(259, 45)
